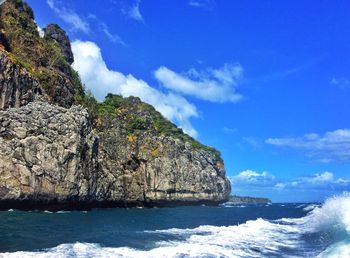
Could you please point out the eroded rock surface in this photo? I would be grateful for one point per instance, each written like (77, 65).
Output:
(51, 155)
(48, 154)
(55, 32)
(153, 168)
(17, 87)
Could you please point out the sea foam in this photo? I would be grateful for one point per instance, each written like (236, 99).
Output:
(256, 238)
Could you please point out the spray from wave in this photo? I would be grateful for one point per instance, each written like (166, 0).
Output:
(323, 232)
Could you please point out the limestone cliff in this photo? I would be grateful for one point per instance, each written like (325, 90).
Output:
(17, 87)
(47, 58)
(60, 148)
(52, 157)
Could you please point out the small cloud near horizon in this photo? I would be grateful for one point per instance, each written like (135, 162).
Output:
(267, 182)
(333, 146)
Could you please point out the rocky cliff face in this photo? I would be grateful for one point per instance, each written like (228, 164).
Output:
(56, 154)
(17, 87)
(150, 161)
(56, 33)
(48, 154)
(46, 59)
(51, 156)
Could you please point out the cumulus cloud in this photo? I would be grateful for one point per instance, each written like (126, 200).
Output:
(251, 177)
(134, 12)
(264, 182)
(330, 147)
(316, 181)
(321, 178)
(70, 17)
(101, 80)
(215, 85)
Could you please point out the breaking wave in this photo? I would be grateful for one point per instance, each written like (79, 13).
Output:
(323, 232)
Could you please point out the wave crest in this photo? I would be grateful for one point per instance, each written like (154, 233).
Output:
(329, 224)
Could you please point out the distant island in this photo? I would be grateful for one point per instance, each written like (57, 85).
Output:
(234, 199)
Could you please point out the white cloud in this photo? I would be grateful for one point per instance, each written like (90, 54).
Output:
(332, 146)
(204, 4)
(70, 17)
(2, 1)
(280, 185)
(134, 12)
(264, 182)
(322, 178)
(340, 82)
(316, 181)
(215, 85)
(252, 177)
(101, 80)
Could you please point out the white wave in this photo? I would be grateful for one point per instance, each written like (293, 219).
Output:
(337, 250)
(258, 238)
(311, 207)
(333, 214)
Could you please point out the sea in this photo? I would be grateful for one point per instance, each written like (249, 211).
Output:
(261, 230)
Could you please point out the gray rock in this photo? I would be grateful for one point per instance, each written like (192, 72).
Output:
(17, 87)
(156, 169)
(55, 32)
(47, 154)
(51, 155)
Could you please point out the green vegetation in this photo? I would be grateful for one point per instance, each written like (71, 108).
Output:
(41, 57)
(141, 116)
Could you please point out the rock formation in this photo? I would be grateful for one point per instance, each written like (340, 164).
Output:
(55, 32)
(60, 148)
(17, 87)
(48, 154)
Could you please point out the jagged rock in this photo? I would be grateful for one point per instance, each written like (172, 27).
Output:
(160, 170)
(47, 59)
(55, 32)
(51, 155)
(48, 154)
(150, 166)
(17, 87)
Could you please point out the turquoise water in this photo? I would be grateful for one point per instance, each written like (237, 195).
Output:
(276, 230)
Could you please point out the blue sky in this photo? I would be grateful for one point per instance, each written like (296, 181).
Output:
(265, 82)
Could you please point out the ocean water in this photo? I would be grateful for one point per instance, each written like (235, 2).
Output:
(273, 230)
